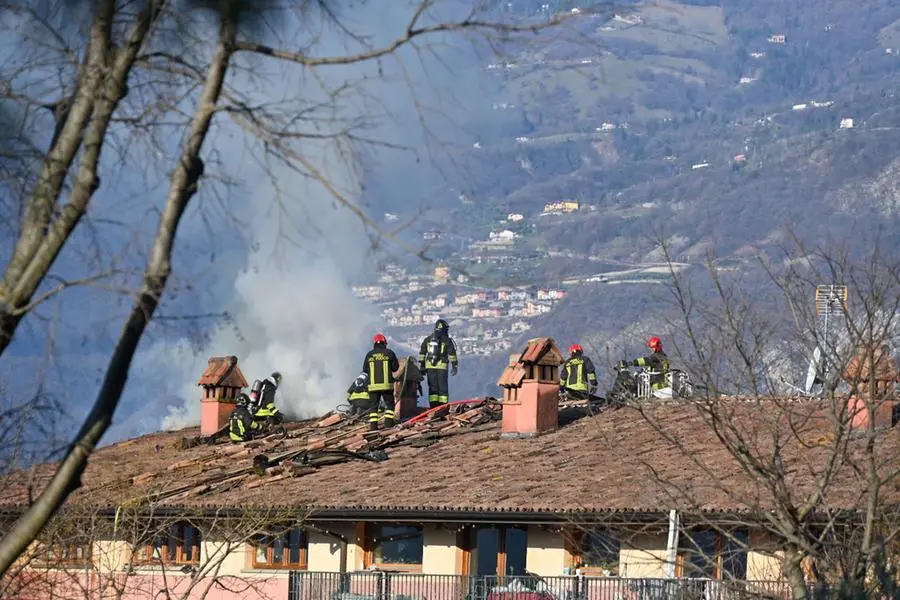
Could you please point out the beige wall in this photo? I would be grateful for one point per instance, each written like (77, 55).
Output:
(325, 551)
(764, 561)
(230, 558)
(546, 552)
(643, 556)
(110, 555)
(440, 553)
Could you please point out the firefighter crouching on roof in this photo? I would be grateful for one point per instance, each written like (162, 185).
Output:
(242, 426)
(381, 363)
(358, 395)
(437, 353)
(657, 362)
(577, 377)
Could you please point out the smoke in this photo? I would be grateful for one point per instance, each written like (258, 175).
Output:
(290, 303)
(292, 307)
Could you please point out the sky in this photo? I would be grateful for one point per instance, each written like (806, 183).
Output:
(262, 243)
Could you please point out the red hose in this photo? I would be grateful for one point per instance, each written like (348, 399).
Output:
(422, 416)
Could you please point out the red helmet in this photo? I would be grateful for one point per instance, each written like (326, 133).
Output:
(654, 343)
(575, 348)
(379, 339)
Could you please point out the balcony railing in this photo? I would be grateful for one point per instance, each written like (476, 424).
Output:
(376, 585)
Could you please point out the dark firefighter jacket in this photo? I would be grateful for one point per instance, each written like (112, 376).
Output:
(657, 362)
(267, 391)
(359, 389)
(242, 425)
(380, 364)
(578, 374)
(437, 351)
(268, 412)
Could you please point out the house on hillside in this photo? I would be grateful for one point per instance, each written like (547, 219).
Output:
(471, 501)
(562, 206)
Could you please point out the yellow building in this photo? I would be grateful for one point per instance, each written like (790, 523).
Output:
(565, 206)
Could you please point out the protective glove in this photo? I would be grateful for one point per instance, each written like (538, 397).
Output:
(454, 369)
(621, 365)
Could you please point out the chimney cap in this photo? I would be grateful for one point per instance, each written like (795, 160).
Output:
(222, 371)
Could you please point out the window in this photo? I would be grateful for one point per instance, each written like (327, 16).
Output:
(287, 550)
(497, 550)
(711, 554)
(596, 551)
(178, 544)
(394, 546)
(62, 555)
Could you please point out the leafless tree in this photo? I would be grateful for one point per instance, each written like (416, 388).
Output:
(150, 69)
(814, 471)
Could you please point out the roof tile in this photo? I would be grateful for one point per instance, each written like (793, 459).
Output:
(653, 459)
(222, 371)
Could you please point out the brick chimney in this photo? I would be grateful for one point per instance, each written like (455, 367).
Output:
(530, 390)
(222, 381)
(859, 375)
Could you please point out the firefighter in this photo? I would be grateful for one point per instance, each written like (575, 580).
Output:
(380, 364)
(241, 425)
(577, 377)
(437, 353)
(267, 413)
(657, 362)
(265, 393)
(358, 395)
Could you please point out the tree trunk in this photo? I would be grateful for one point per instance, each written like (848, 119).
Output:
(68, 476)
(98, 97)
(793, 570)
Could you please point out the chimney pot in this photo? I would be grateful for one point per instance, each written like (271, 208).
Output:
(531, 385)
(221, 382)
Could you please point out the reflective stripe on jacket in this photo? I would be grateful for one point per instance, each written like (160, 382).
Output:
(578, 374)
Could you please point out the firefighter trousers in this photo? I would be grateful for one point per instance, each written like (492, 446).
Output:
(382, 409)
(438, 386)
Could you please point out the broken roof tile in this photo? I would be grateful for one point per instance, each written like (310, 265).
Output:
(653, 459)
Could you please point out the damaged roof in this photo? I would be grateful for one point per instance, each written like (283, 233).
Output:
(663, 455)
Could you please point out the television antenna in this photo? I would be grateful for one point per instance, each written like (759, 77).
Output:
(831, 304)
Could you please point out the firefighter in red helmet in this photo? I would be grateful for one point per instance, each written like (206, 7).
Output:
(380, 364)
(577, 377)
(657, 362)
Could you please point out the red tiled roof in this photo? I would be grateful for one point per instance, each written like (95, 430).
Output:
(665, 456)
(223, 371)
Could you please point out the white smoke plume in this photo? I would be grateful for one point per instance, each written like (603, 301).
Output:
(291, 305)
(293, 310)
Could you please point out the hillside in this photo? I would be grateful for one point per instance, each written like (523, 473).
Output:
(717, 126)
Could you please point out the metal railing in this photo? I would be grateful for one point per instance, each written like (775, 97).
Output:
(379, 585)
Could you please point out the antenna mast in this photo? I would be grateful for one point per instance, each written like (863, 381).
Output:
(831, 304)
